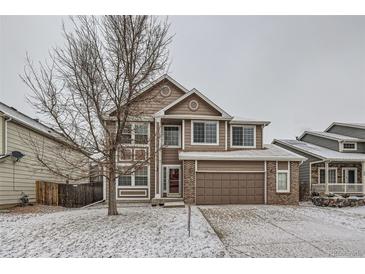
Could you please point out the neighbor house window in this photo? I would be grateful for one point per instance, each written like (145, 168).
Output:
(243, 136)
(332, 175)
(141, 176)
(171, 136)
(349, 175)
(205, 132)
(349, 146)
(282, 178)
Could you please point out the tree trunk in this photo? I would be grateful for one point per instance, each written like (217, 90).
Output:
(112, 203)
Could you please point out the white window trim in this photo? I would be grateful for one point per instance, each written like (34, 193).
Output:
(342, 148)
(133, 180)
(126, 160)
(179, 136)
(287, 190)
(133, 143)
(346, 169)
(243, 146)
(204, 144)
(319, 174)
(140, 148)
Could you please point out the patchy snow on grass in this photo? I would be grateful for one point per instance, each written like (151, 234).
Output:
(136, 232)
(288, 231)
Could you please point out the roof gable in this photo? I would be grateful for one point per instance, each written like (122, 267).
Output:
(178, 91)
(183, 106)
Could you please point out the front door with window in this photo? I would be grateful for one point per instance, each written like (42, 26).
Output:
(172, 181)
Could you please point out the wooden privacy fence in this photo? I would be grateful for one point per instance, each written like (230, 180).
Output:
(68, 195)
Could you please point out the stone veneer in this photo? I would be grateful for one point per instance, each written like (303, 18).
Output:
(274, 198)
(189, 182)
(339, 167)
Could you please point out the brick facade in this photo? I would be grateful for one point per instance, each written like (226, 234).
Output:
(274, 198)
(189, 182)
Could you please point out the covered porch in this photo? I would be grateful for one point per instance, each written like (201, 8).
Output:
(338, 177)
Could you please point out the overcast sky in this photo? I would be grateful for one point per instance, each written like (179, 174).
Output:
(299, 72)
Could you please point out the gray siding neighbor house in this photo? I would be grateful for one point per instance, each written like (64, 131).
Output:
(335, 159)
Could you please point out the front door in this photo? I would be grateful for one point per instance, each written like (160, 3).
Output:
(172, 180)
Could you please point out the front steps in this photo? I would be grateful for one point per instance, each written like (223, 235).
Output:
(168, 202)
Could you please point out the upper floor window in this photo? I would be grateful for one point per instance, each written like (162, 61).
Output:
(349, 146)
(171, 136)
(135, 133)
(205, 132)
(141, 133)
(243, 136)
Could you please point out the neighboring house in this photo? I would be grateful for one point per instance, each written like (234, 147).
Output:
(335, 159)
(21, 139)
(204, 155)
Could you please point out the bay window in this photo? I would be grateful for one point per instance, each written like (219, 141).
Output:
(134, 178)
(135, 133)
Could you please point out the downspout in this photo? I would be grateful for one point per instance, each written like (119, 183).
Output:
(7, 119)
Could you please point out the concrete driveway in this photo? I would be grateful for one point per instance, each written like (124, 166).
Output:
(288, 231)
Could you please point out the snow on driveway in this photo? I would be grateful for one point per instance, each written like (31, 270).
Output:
(139, 231)
(289, 231)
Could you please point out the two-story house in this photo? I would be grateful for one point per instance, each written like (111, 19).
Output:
(201, 154)
(335, 159)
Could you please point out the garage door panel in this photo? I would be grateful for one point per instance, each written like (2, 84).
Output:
(234, 184)
(226, 191)
(229, 188)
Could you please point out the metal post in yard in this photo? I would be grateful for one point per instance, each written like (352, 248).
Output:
(189, 219)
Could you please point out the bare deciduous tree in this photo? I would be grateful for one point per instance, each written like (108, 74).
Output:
(103, 65)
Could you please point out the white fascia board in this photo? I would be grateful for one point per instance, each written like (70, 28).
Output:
(344, 125)
(243, 122)
(193, 117)
(240, 158)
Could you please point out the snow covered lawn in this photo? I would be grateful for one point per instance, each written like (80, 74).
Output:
(289, 231)
(139, 231)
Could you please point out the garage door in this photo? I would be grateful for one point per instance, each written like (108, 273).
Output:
(214, 188)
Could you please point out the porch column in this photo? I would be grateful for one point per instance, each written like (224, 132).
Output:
(363, 176)
(158, 155)
(326, 177)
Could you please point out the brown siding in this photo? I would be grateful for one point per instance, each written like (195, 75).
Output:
(221, 166)
(189, 147)
(203, 109)
(152, 101)
(170, 156)
(259, 138)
